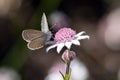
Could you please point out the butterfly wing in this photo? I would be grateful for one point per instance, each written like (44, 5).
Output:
(44, 24)
(36, 39)
(45, 28)
(31, 34)
(37, 43)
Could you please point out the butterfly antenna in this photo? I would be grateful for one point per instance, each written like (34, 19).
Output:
(53, 26)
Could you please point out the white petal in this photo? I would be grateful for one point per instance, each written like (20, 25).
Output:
(83, 37)
(59, 47)
(68, 44)
(80, 33)
(76, 42)
(50, 47)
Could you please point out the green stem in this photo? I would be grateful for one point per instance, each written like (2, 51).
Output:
(67, 74)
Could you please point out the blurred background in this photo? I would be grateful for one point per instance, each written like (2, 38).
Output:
(100, 19)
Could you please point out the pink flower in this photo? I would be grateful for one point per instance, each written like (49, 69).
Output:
(64, 34)
(67, 37)
(68, 55)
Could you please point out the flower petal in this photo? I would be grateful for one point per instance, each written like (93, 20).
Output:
(50, 47)
(83, 37)
(79, 34)
(59, 47)
(68, 44)
(76, 42)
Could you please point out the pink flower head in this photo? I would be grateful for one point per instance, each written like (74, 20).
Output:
(67, 37)
(64, 34)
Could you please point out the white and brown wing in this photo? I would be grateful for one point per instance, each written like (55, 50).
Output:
(37, 43)
(36, 39)
(31, 34)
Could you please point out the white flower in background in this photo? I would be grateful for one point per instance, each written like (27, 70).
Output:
(8, 74)
(67, 37)
(79, 71)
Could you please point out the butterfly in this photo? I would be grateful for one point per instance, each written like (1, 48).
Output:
(37, 39)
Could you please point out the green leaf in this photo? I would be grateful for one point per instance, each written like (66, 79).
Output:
(62, 75)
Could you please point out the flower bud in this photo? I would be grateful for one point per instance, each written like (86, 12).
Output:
(68, 55)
